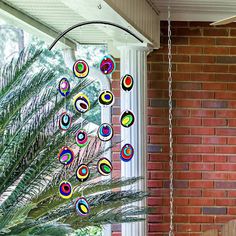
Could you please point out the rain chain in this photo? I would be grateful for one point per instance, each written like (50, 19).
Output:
(171, 231)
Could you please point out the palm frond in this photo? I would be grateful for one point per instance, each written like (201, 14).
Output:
(29, 170)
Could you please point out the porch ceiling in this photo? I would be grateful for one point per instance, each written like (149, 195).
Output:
(196, 10)
(59, 15)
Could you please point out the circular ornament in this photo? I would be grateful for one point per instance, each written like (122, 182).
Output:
(104, 166)
(107, 65)
(106, 98)
(127, 152)
(82, 172)
(64, 87)
(81, 69)
(66, 156)
(127, 119)
(65, 189)
(105, 132)
(81, 138)
(127, 83)
(81, 103)
(82, 207)
(65, 121)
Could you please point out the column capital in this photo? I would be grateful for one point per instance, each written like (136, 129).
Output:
(135, 46)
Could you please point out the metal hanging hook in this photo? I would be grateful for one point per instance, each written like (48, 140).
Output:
(92, 23)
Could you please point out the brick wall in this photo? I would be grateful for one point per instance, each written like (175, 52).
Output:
(204, 75)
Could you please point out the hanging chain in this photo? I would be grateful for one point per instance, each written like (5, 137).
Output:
(171, 231)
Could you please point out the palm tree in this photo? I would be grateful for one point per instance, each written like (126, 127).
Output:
(29, 170)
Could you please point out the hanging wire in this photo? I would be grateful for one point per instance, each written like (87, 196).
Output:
(171, 231)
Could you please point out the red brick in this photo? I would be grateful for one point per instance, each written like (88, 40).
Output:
(202, 59)
(223, 219)
(193, 95)
(188, 122)
(186, 86)
(202, 149)
(201, 166)
(215, 193)
(189, 140)
(188, 103)
(189, 67)
(226, 41)
(225, 202)
(225, 167)
(180, 201)
(190, 50)
(188, 210)
(215, 32)
(214, 175)
(226, 113)
(214, 140)
(231, 193)
(228, 95)
(231, 122)
(202, 41)
(152, 201)
(188, 227)
(158, 227)
(216, 68)
(214, 86)
(201, 219)
(214, 122)
(202, 113)
(188, 158)
(154, 166)
(216, 50)
(226, 131)
(231, 141)
(181, 113)
(201, 202)
(159, 175)
(154, 218)
(178, 58)
(214, 158)
(188, 175)
(201, 184)
(154, 184)
(214, 104)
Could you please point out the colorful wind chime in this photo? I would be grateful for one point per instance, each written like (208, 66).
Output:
(105, 131)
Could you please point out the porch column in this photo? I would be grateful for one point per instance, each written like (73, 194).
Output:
(133, 61)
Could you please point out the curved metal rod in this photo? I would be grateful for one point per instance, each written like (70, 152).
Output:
(90, 23)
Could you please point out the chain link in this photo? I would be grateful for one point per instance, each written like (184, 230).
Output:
(171, 231)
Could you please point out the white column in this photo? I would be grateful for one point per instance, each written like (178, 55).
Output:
(133, 61)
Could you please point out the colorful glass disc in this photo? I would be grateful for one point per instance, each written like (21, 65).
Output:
(127, 119)
(64, 87)
(105, 132)
(81, 138)
(127, 82)
(66, 156)
(65, 121)
(81, 69)
(127, 152)
(107, 65)
(106, 98)
(82, 207)
(82, 172)
(81, 103)
(65, 189)
(104, 166)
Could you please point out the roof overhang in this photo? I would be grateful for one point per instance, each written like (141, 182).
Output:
(48, 18)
